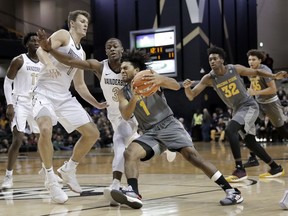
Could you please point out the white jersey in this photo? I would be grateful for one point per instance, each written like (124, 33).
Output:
(62, 83)
(111, 83)
(26, 77)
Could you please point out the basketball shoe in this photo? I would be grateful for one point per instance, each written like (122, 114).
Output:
(233, 196)
(128, 197)
(69, 178)
(237, 176)
(272, 173)
(56, 193)
(284, 201)
(7, 182)
(252, 161)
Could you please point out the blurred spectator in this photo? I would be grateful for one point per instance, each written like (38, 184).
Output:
(264, 130)
(196, 126)
(4, 145)
(218, 130)
(58, 144)
(281, 93)
(268, 62)
(206, 123)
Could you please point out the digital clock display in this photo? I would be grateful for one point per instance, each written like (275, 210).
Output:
(161, 44)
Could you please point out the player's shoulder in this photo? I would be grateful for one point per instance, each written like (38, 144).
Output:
(18, 59)
(61, 34)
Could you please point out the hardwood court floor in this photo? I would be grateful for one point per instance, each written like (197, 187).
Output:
(175, 188)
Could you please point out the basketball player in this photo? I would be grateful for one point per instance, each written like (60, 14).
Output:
(108, 72)
(53, 102)
(265, 92)
(161, 130)
(19, 82)
(226, 81)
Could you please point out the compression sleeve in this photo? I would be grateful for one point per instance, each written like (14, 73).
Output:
(8, 90)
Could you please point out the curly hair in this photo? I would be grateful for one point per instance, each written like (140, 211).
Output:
(138, 58)
(217, 50)
(27, 37)
(258, 53)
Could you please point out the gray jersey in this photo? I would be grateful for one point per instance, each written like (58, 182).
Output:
(150, 110)
(230, 88)
(259, 83)
(232, 91)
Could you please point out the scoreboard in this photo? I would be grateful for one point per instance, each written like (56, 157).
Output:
(161, 44)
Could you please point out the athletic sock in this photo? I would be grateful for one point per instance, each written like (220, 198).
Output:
(133, 182)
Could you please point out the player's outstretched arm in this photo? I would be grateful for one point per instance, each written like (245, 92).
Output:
(191, 93)
(244, 71)
(46, 44)
(83, 91)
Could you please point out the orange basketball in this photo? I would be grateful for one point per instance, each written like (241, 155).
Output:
(143, 88)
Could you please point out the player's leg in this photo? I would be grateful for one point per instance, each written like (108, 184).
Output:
(130, 195)
(89, 135)
(275, 169)
(44, 114)
(12, 157)
(231, 132)
(72, 116)
(18, 126)
(233, 195)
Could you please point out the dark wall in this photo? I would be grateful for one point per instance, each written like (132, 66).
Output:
(231, 25)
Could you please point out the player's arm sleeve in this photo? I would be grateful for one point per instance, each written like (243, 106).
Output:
(8, 90)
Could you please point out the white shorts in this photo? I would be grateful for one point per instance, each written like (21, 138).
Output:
(23, 115)
(59, 107)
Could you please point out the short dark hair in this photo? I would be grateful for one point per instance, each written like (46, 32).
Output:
(138, 58)
(116, 39)
(27, 37)
(74, 14)
(254, 52)
(217, 50)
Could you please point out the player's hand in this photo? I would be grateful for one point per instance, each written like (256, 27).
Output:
(101, 105)
(281, 75)
(10, 112)
(52, 71)
(187, 83)
(153, 78)
(45, 43)
(251, 92)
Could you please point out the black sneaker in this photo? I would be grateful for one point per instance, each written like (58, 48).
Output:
(128, 197)
(252, 161)
(272, 173)
(233, 196)
(237, 176)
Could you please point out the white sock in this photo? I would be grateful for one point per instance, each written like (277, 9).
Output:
(50, 175)
(71, 165)
(116, 184)
(9, 172)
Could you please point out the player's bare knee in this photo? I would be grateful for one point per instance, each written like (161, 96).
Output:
(45, 132)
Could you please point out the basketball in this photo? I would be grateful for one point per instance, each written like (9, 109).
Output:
(144, 88)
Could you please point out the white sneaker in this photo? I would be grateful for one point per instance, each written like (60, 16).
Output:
(56, 193)
(284, 201)
(170, 155)
(7, 182)
(69, 177)
(107, 194)
(42, 173)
